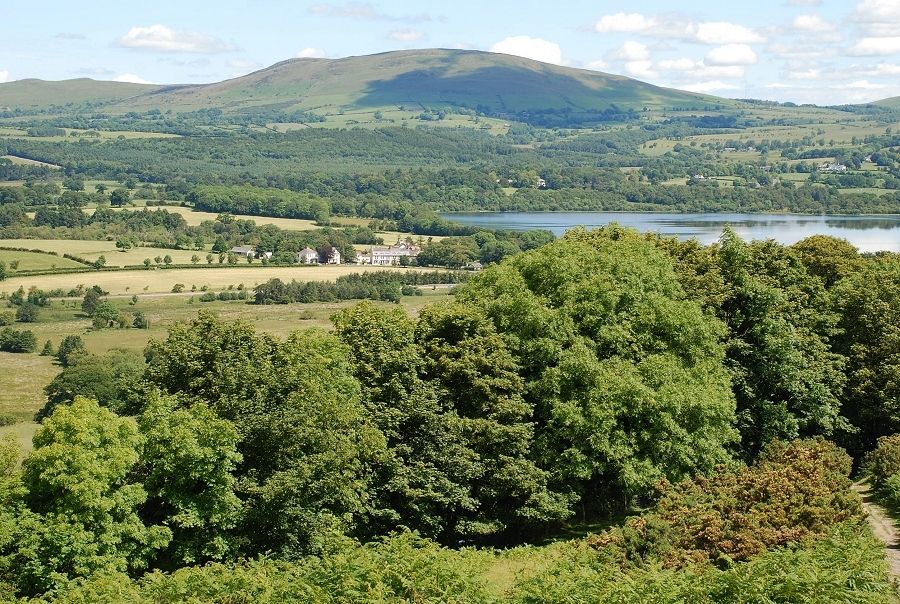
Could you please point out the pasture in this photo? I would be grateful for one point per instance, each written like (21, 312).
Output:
(23, 376)
(157, 281)
(33, 261)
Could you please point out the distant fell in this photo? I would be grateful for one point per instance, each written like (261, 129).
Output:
(494, 84)
(32, 93)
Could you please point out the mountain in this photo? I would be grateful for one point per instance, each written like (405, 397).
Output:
(496, 84)
(31, 93)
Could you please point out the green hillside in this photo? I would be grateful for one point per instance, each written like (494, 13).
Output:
(891, 103)
(495, 84)
(34, 93)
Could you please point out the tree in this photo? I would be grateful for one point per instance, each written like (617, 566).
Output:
(100, 262)
(158, 259)
(4, 271)
(47, 350)
(80, 505)
(147, 262)
(71, 347)
(105, 378)
(119, 197)
(306, 484)
(167, 260)
(27, 313)
(90, 302)
(105, 315)
(140, 321)
(828, 258)
(869, 339)
(625, 374)
(209, 258)
(188, 459)
(195, 259)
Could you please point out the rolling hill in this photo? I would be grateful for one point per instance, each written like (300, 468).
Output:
(495, 84)
(32, 93)
(891, 103)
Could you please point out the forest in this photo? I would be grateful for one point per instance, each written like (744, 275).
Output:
(698, 411)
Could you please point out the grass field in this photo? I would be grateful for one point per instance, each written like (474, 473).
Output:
(194, 218)
(161, 281)
(23, 376)
(28, 162)
(31, 261)
(91, 250)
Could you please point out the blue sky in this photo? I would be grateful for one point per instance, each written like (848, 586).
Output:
(818, 51)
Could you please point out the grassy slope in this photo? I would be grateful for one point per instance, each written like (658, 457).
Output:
(893, 102)
(419, 78)
(41, 93)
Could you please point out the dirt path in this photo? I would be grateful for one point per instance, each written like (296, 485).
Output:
(883, 528)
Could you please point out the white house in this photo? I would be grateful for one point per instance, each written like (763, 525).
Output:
(390, 255)
(308, 256)
(334, 257)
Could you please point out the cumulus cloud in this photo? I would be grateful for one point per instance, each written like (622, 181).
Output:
(406, 35)
(598, 65)
(731, 54)
(365, 11)
(311, 53)
(813, 24)
(632, 51)
(624, 23)
(641, 69)
(161, 38)
(862, 85)
(537, 49)
(877, 46)
(879, 18)
(710, 86)
(723, 32)
(675, 27)
(4, 76)
(131, 79)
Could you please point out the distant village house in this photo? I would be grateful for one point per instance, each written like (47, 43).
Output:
(391, 255)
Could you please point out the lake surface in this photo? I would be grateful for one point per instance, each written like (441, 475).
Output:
(868, 233)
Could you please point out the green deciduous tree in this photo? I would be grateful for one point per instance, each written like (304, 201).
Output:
(625, 374)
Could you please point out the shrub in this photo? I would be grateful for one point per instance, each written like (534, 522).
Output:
(12, 340)
(794, 491)
(884, 461)
(27, 313)
(208, 297)
(7, 318)
(178, 288)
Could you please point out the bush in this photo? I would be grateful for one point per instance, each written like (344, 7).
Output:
(27, 313)
(7, 318)
(12, 340)
(208, 297)
(71, 347)
(883, 462)
(178, 288)
(794, 491)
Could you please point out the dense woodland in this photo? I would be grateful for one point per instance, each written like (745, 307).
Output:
(603, 374)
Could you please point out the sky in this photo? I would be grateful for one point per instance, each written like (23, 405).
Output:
(806, 51)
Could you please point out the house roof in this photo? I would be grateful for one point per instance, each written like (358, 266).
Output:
(242, 249)
(309, 250)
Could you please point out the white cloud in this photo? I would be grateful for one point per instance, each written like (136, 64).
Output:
(623, 23)
(710, 86)
(598, 65)
(813, 24)
(243, 67)
(4, 76)
(699, 69)
(406, 35)
(161, 38)
(641, 69)
(131, 79)
(877, 46)
(862, 85)
(882, 69)
(632, 51)
(537, 49)
(723, 32)
(679, 28)
(809, 74)
(879, 18)
(311, 53)
(731, 54)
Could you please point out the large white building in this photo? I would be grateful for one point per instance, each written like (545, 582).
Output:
(308, 256)
(390, 255)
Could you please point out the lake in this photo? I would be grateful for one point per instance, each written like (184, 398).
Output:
(869, 233)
